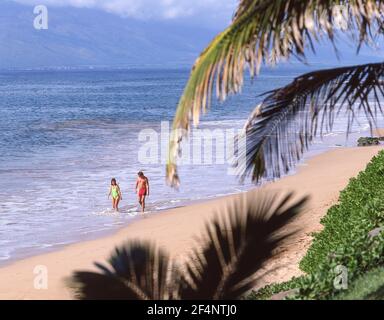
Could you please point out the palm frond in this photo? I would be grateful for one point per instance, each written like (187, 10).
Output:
(97, 286)
(285, 123)
(264, 31)
(139, 271)
(237, 245)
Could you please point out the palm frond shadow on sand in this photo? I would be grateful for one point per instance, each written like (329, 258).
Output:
(236, 245)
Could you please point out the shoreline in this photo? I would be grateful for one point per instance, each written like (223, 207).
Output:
(66, 220)
(98, 234)
(90, 235)
(322, 176)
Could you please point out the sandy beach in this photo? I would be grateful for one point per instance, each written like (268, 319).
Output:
(321, 177)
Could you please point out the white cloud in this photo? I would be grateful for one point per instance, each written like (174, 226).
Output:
(217, 10)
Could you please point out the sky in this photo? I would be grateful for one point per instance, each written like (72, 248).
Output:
(213, 13)
(109, 33)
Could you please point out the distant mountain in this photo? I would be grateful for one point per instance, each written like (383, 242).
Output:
(90, 37)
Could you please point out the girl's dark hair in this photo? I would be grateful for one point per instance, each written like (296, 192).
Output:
(140, 173)
(113, 180)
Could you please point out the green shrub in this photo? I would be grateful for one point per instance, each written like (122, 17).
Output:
(368, 141)
(268, 291)
(362, 255)
(360, 209)
(345, 239)
(370, 286)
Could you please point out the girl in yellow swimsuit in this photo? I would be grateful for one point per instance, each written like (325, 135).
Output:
(115, 192)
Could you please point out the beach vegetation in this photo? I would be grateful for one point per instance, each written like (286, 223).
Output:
(368, 141)
(369, 286)
(352, 240)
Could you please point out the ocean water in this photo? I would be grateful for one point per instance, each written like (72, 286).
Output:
(65, 134)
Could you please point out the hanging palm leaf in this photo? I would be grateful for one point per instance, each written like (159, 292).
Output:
(236, 245)
(284, 124)
(264, 31)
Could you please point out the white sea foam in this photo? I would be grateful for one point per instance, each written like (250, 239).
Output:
(58, 155)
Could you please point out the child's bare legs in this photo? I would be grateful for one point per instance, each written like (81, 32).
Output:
(143, 203)
(141, 200)
(117, 203)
